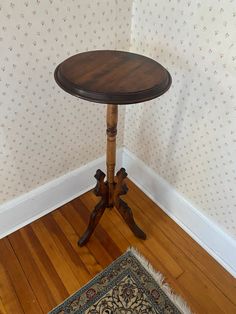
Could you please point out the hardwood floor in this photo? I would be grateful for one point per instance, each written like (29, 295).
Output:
(41, 264)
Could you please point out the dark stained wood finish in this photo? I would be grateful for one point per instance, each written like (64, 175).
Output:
(41, 264)
(112, 77)
(109, 201)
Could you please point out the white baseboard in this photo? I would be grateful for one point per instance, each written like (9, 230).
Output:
(203, 230)
(37, 203)
(44, 199)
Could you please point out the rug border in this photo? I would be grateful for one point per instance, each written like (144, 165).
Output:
(177, 300)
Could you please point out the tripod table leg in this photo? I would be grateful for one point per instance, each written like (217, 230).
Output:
(94, 220)
(125, 211)
(101, 189)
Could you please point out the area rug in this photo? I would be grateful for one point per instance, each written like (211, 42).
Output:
(128, 285)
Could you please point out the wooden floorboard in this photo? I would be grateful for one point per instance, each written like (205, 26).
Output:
(41, 264)
(184, 242)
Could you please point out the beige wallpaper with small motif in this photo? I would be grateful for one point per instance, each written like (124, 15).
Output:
(188, 135)
(45, 132)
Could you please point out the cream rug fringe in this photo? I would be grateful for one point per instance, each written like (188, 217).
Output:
(177, 300)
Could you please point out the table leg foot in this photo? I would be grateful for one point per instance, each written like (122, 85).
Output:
(127, 215)
(125, 211)
(94, 220)
(100, 189)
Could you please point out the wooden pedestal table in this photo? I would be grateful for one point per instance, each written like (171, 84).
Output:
(115, 78)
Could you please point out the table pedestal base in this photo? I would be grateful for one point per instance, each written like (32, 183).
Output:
(110, 200)
(111, 189)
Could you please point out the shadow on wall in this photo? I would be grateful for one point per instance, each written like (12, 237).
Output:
(150, 114)
(177, 125)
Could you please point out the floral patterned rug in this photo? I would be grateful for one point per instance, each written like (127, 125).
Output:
(129, 285)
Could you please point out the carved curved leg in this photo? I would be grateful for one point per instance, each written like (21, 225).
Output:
(94, 220)
(125, 211)
(127, 215)
(100, 190)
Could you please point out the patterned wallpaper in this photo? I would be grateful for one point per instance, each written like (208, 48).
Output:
(188, 134)
(45, 132)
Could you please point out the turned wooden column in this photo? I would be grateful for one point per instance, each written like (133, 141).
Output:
(112, 118)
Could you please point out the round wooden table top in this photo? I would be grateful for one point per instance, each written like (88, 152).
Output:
(112, 77)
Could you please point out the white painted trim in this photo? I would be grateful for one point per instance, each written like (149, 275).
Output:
(203, 230)
(44, 199)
